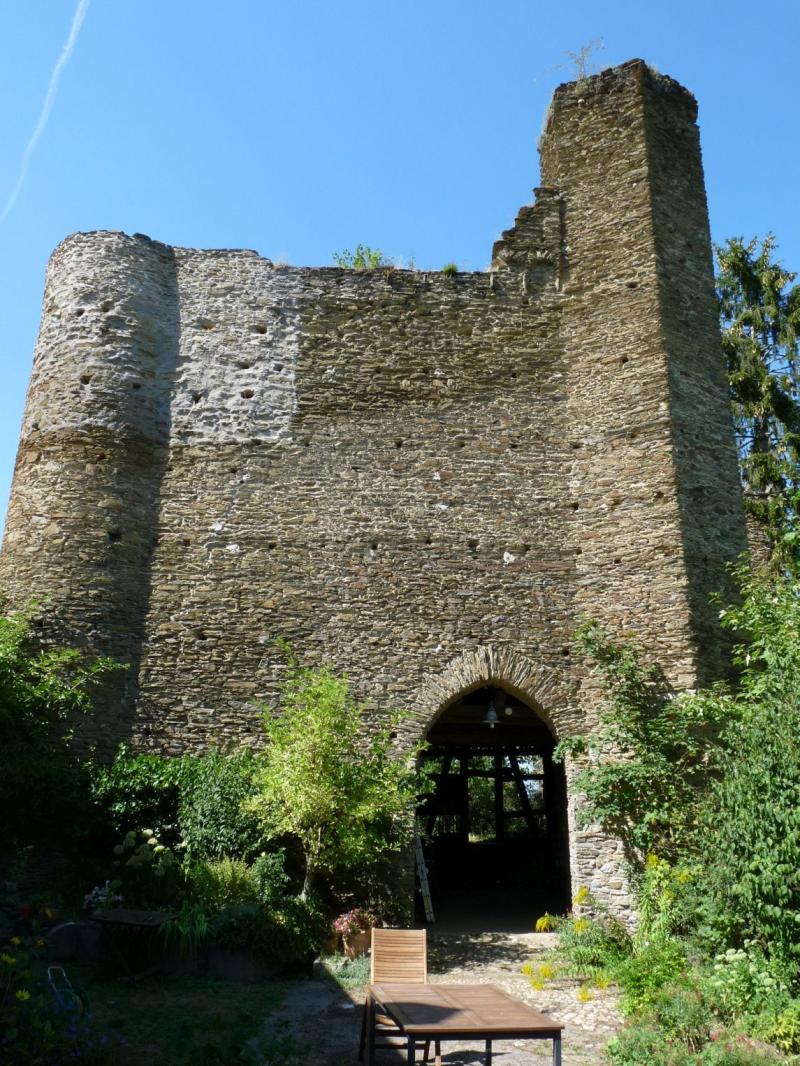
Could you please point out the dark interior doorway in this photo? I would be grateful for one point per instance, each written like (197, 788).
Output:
(494, 828)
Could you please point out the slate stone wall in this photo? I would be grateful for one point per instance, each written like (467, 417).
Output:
(428, 481)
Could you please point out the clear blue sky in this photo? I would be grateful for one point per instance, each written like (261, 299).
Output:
(301, 127)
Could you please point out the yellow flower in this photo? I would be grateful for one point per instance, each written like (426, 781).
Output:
(584, 995)
(48, 912)
(602, 982)
(580, 925)
(22, 994)
(527, 969)
(8, 959)
(545, 924)
(536, 984)
(683, 877)
(15, 940)
(546, 971)
(39, 943)
(581, 896)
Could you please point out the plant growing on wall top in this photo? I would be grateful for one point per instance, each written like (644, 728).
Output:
(363, 258)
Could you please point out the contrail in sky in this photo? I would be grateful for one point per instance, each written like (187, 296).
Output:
(47, 106)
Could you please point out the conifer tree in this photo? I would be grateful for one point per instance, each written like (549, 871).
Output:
(760, 319)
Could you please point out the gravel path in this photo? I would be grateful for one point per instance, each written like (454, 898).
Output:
(328, 1021)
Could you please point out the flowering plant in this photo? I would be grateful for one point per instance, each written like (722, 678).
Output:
(358, 920)
(103, 896)
(36, 1025)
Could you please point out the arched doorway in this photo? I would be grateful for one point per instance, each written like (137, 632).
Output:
(494, 828)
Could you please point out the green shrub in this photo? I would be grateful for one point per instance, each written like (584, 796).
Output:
(450, 270)
(736, 1049)
(142, 789)
(646, 1045)
(666, 900)
(347, 973)
(780, 1027)
(650, 753)
(197, 801)
(743, 981)
(681, 1012)
(751, 820)
(643, 975)
(148, 873)
(271, 878)
(188, 930)
(284, 937)
(43, 694)
(214, 820)
(214, 884)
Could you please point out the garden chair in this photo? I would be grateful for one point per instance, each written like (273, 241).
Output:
(398, 955)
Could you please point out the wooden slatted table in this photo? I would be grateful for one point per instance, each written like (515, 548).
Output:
(457, 1012)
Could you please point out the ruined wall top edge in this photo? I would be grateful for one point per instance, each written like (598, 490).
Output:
(120, 238)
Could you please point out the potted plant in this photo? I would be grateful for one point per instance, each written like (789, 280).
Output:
(354, 927)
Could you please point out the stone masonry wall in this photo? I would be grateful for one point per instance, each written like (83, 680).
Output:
(428, 481)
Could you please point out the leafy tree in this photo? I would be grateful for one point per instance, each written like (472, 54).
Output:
(750, 820)
(713, 773)
(760, 318)
(342, 795)
(647, 759)
(42, 694)
(363, 258)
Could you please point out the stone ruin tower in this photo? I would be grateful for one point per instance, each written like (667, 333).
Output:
(426, 480)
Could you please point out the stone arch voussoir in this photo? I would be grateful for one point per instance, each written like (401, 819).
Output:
(537, 685)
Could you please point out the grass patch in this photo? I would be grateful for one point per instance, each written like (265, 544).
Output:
(178, 1020)
(348, 974)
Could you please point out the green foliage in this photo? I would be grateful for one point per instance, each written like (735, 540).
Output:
(750, 820)
(188, 930)
(645, 1045)
(781, 1027)
(644, 974)
(148, 873)
(590, 945)
(760, 318)
(450, 270)
(348, 974)
(682, 1013)
(743, 981)
(343, 796)
(649, 1045)
(363, 258)
(666, 900)
(217, 883)
(269, 873)
(195, 801)
(35, 1028)
(43, 693)
(283, 936)
(648, 757)
(212, 813)
(141, 789)
(719, 937)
